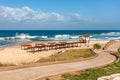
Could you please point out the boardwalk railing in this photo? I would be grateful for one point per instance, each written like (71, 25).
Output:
(108, 44)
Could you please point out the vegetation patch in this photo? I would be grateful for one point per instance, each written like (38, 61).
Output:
(5, 65)
(119, 50)
(69, 55)
(91, 74)
(97, 46)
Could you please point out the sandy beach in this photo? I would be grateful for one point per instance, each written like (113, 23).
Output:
(14, 54)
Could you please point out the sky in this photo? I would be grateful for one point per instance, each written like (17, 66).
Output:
(59, 15)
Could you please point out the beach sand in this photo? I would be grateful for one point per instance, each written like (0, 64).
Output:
(14, 54)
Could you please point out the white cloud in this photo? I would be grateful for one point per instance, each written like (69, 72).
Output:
(27, 14)
(75, 17)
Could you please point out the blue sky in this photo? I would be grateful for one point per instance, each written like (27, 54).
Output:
(59, 14)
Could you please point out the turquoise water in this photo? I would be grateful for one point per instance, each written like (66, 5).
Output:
(55, 35)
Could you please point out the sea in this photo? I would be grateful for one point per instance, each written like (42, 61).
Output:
(10, 37)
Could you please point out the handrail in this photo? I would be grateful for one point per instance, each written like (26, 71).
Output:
(108, 44)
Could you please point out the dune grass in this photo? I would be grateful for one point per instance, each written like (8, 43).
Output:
(62, 56)
(93, 74)
(5, 65)
(69, 55)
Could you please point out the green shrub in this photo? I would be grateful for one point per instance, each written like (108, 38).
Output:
(47, 79)
(67, 76)
(119, 49)
(3, 65)
(97, 46)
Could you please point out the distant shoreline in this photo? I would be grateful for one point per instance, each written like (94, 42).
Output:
(54, 35)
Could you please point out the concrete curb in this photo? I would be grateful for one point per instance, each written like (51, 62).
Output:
(117, 57)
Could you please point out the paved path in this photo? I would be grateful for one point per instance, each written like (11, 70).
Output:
(33, 73)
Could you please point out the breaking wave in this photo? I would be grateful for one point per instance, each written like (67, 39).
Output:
(102, 36)
(23, 37)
